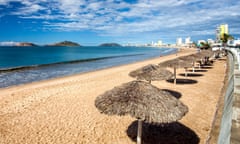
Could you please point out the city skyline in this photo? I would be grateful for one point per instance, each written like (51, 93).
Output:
(122, 21)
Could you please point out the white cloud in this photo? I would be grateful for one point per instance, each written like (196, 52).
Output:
(29, 9)
(68, 26)
(4, 2)
(8, 43)
(70, 6)
(117, 17)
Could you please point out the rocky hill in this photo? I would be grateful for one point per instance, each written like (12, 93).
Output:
(65, 43)
(110, 45)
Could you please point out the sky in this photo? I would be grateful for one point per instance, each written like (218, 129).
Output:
(92, 22)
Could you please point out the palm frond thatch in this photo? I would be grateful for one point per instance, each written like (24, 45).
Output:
(176, 63)
(205, 53)
(143, 101)
(151, 73)
(190, 58)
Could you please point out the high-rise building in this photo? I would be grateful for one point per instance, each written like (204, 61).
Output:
(159, 43)
(179, 41)
(188, 40)
(221, 30)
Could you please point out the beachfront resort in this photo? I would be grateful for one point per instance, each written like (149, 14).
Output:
(82, 109)
(119, 72)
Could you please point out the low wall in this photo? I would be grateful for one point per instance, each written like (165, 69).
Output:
(226, 120)
(229, 129)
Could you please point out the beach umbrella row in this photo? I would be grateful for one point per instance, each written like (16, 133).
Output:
(142, 100)
(185, 62)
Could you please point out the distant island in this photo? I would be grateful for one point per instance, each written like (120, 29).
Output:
(110, 45)
(65, 43)
(25, 44)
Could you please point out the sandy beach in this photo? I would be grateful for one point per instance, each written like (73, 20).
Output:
(62, 110)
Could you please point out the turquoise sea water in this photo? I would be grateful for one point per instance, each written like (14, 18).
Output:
(19, 65)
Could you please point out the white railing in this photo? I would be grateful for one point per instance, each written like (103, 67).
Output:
(236, 53)
(229, 132)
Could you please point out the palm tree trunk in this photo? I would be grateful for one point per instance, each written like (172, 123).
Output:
(175, 75)
(185, 72)
(139, 133)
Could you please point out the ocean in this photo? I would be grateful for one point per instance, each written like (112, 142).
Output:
(20, 65)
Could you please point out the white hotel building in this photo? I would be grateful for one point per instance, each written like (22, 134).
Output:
(188, 42)
(179, 42)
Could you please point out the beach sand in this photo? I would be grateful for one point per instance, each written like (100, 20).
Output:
(62, 110)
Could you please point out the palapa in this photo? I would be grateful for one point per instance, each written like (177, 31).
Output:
(142, 101)
(204, 57)
(150, 73)
(176, 63)
(191, 59)
(197, 56)
(206, 53)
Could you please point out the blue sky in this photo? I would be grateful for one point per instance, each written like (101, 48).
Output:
(92, 22)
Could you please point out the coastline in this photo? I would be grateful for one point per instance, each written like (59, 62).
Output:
(181, 52)
(61, 110)
(23, 74)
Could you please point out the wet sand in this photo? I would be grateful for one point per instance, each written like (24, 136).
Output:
(62, 110)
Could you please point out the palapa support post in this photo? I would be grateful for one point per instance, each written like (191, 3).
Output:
(193, 64)
(185, 72)
(175, 77)
(201, 62)
(139, 133)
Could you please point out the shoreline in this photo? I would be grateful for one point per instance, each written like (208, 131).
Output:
(96, 70)
(27, 74)
(61, 110)
(12, 69)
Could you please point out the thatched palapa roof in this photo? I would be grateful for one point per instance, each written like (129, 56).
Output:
(151, 73)
(206, 53)
(190, 58)
(143, 101)
(176, 63)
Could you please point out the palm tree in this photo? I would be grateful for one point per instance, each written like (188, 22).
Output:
(226, 37)
(204, 45)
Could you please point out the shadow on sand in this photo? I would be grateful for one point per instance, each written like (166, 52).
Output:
(191, 74)
(174, 93)
(221, 59)
(173, 133)
(182, 81)
(198, 70)
(206, 67)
